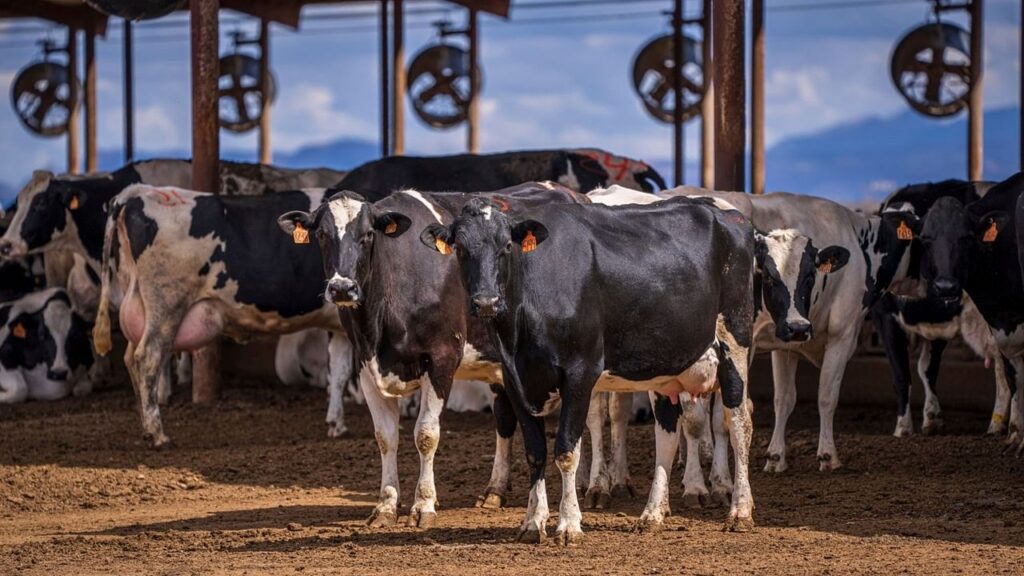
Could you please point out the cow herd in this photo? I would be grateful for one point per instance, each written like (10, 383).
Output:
(567, 281)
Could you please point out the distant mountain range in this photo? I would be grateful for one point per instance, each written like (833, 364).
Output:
(857, 162)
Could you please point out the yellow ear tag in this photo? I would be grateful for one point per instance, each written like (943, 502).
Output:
(391, 227)
(903, 232)
(529, 242)
(74, 202)
(442, 246)
(991, 233)
(19, 331)
(825, 267)
(300, 235)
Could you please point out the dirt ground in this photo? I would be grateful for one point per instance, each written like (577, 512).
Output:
(254, 486)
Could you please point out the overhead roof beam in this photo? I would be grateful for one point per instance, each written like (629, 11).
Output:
(80, 16)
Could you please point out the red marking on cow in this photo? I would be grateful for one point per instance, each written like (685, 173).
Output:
(502, 204)
(168, 197)
(605, 163)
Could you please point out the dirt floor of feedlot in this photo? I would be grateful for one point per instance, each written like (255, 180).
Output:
(253, 485)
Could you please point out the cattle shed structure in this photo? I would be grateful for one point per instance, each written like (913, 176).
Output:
(725, 52)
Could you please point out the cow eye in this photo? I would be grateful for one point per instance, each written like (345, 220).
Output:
(508, 246)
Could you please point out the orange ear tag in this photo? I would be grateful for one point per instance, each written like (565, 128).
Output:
(300, 235)
(903, 232)
(74, 203)
(529, 242)
(991, 233)
(391, 227)
(442, 246)
(825, 267)
(19, 331)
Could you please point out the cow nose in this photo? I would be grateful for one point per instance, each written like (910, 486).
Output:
(799, 331)
(485, 306)
(946, 287)
(343, 291)
(5, 247)
(58, 374)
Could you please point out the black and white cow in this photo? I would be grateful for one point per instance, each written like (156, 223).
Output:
(580, 170)
(975, 248)
(935, 321)
(581, 298)
(406, 314)
(184, 267)
(44, 348)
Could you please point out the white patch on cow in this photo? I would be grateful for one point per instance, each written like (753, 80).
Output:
(616, 195)
(300, 358)
(569, 516)
(389, 385)
(475, 367)
(425, 202)
(57, 318)
(470, 396)
(786, 249)
(550, 405)
(698, 379)
(900, 207)
(487, 212)
(344, 210)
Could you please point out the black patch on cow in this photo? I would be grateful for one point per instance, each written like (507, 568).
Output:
(16, 280)
(666, 414)
(141, 229)
(205, 269)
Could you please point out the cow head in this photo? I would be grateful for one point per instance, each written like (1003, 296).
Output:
(886, 247)
(485, 240)
(788, 264)
(347, 228)
(41, 217)
(53, 336)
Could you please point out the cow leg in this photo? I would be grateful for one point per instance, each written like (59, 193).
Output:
(1016, 429)
(928, 369)
(428, 435)
(997, 424)
(384, 412)
(695, 493)
(837, 354)
(721, 477)
(732, 378)
(599, 487)
(620, 408)
(13, 387)
(666, 444)
(707, 439)
(496, 493)
(339, 371)
(533, 529)
(152, 361)
(784, 378)
(897, 351)
(572, 418)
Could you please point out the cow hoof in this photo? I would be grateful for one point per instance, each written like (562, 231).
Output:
(648, 525)
(776, 463)
(158, 441)
(568, 537)
(531, 536)
(903, 430)
(335, 430)
(491, 500)
(720, 498)
(695, 500)
(624, 490)
(933, 427)
(828, 463)
(422, 519)
(995, 429)
(382, 518)
(596, 497)
(739, 524)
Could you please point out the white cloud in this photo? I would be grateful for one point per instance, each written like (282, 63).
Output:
(307, 113)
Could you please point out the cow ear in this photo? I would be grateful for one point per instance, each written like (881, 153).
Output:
(831, 259)
(760, 250)
(528, 234)
(392, 224)
(72, 198)
(296, 224)
(907, 226)
(990, 225)
(437, 237)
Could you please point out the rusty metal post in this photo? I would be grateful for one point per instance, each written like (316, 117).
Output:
(1020, 102)
(385, 83)
(976, 106)
(90, 100)
(730, 83)
(398, 75)
(266, 155)
(473, 115)
(707, 105)
(757, 100)
(677, 89)
(129, 94)
(75, 99)
(205, 160)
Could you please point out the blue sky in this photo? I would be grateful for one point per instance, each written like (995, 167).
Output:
(563, 82)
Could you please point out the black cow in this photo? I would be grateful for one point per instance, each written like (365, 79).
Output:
(580, 170)
(405, 312)
(585, 297)
(908, 310)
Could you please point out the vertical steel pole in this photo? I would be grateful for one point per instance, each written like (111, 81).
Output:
(707, 106)
(976, 106)
(129, 94)
(757, 98)
(90, 100)
(75, 99)
(730, 84)
(677, 89)
(266, 154)
(398, 73)
(385, 83)
(473, 116)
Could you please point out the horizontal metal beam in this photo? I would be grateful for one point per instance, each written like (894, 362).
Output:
(81, 16)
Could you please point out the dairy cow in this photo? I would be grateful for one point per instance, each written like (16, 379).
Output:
(184, 267)
(407, 316)
(580, 170)
(44, 348)
(580, 298)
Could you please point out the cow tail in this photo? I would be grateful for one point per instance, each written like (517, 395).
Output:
(101, 331)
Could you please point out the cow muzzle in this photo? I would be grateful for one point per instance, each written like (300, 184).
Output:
(946, 289)
(485, 306)
(343, 292)
(6, 249)
(795, 332)
(57, 374)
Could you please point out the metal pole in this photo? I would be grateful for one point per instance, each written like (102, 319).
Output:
(473, 119)
(74, 98)
(1020, 103)
(90, 100)
(205, 160)
(385, 83)
(976, 106)
(266, 155)
(730, 83)
(398, 74)
(677, 89)
(129, 94)
(757, 103)
(707, 106)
